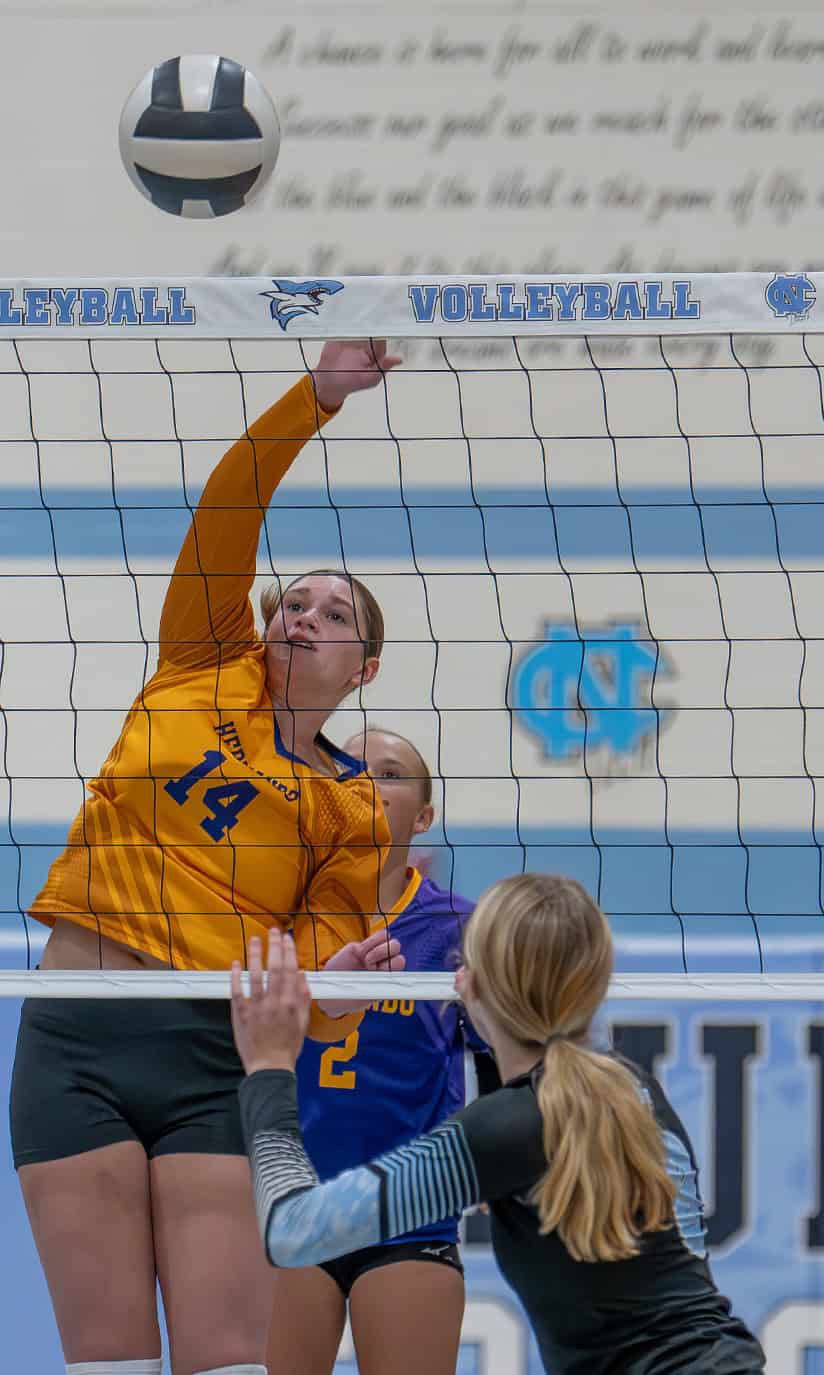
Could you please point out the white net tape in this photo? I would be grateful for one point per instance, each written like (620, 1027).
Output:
(163, 983)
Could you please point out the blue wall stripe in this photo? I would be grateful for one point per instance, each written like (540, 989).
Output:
(703, 901)
(374, 526)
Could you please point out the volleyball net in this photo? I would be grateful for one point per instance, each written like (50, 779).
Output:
(591, 512)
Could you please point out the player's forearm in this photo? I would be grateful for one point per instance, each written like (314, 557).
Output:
(246, 478)
(300, 1222)
(215, 569)
(331, 1022)
(303, 1222)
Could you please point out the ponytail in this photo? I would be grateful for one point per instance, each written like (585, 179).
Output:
(540, 954)
(607, 1180)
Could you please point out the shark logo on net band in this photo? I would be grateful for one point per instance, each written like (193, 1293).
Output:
(289, 300)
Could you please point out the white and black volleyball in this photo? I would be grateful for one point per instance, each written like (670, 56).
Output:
(199, 136)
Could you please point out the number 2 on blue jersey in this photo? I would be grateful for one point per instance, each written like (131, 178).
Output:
(225, 800)
(331, 1078)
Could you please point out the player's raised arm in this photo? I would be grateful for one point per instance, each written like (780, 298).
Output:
(207, 612)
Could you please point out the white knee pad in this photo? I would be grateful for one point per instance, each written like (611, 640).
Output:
(150, 1367)
(233, 1370)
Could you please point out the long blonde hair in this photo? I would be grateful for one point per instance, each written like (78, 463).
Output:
(540, 953)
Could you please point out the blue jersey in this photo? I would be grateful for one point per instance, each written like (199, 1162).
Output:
(402, 1071)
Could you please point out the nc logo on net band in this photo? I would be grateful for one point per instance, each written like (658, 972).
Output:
(288, 300)
(790, 295)
(589, 689)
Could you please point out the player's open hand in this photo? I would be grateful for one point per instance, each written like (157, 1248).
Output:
(270, 1023)
(347, 365)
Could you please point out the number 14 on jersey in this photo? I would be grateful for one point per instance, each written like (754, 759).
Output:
(225, 801)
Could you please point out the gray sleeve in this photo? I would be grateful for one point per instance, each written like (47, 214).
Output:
(303, 1222)
(325, 1221)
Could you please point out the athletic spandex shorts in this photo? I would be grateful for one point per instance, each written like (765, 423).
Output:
(91, 1072)
(346, 1269)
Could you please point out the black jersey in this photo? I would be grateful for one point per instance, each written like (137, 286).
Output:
(656, 1314)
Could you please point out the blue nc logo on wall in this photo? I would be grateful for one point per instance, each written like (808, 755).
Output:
(790, 295)
(290, 299)
(588, 689)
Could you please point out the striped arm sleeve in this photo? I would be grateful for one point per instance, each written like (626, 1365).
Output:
(303, 1222)
(280, 1168)
(432, 1178)
(269, 1115)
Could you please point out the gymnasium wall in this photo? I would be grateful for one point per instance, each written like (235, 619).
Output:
(475, 138)
(469, 137)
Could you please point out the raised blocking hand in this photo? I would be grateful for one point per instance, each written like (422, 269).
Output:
(270, 1022)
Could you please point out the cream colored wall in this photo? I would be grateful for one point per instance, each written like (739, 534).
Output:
(469, 137)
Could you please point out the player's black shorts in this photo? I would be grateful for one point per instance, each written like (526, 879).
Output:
(92, 1072)
(346, 1269)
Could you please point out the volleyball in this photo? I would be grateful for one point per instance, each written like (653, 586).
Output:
(199, 136)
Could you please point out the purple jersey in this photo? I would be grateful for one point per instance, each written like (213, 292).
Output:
(402, 1071)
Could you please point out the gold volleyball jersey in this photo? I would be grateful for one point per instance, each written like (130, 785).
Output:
(202, 830)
